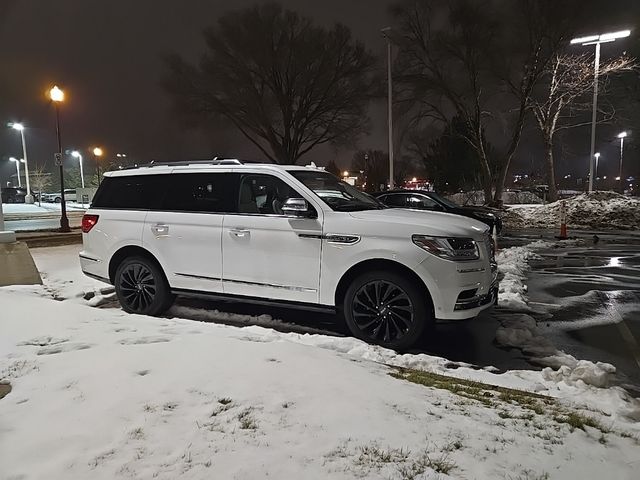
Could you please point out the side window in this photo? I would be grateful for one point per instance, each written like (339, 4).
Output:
(201, 192)
(397, 200)
(133, 192)
(263, 194)
(421, 202)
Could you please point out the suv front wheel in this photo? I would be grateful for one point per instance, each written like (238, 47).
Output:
(141, 287)
(386, 308)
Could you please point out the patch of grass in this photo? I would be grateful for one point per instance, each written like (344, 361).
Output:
(247, 421)
(578, 420)
(286, 404)
(373, 456)
(136, 434)
(489, 395)
(417, 466)
(170, 406)
(225, 401)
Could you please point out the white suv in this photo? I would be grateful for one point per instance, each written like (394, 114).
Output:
(284, 235)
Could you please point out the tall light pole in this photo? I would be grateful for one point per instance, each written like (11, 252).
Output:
(385, 33)
(17, 162)
(57, 96)
(597, 40)
(76, 154)
(621, 136)
(97, 153)
(20, 127)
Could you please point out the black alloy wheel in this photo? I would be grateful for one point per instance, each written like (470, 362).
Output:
(141, 287)
(386, 309)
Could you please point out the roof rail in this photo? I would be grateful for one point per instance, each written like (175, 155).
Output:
(175, 163)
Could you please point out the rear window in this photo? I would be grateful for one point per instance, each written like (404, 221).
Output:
(142, 192)
(202, 192)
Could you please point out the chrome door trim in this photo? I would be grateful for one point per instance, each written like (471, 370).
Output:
(199, 277)
(273, 285)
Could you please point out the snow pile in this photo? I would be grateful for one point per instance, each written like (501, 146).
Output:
(513, 264)
(476, 197)
(598, 210)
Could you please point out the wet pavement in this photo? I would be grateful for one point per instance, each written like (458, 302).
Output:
(587, 299)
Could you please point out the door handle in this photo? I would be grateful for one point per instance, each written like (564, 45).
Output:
(160, 229)
(239, 232)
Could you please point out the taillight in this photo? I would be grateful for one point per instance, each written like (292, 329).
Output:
(88, 222)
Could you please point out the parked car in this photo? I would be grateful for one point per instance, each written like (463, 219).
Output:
(13, 194)
(425, 200)
(284, 235)
(69, 196)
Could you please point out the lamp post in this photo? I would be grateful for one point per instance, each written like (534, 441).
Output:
(97, 153)
(597, 157)
(597, 40)
(76, 154)
(17, 162)
(385, 33)
(57, 97)
(20, 127)
(621, 136)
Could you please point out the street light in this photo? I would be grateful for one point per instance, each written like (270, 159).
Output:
(621, 136)
(17, 162)
(20, 127)
(57, 96)
(597, 157)
(597, 40)
(76, 154)
(97, 153)
(345, 173)
(385, 33)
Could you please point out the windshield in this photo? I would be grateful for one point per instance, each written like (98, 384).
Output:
(340, 196)
(443, 200)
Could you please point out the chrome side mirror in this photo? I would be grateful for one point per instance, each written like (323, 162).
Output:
(297, 207)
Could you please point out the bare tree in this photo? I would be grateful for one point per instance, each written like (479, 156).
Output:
(283, 82)
(479, 61)
(567, 79)
(39, 180)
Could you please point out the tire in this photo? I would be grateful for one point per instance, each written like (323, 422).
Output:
(387, 309)
(58, 200)
(141, 287)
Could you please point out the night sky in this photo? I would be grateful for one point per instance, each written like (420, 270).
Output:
(107, 57)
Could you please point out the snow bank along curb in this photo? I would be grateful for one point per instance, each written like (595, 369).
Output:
(597, 210)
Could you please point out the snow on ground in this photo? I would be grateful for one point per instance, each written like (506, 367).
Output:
(97, 393)
(598, 210)
(30, 209)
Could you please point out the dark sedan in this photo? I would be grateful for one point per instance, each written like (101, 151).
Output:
(13, 194)
(424, 200)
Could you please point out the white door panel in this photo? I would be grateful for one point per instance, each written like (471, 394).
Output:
(187, 246)
(272, 256)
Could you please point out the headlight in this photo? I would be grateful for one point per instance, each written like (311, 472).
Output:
(456, 249)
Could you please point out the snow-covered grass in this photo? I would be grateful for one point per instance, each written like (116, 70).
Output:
(476, 197)
(28, 209)
(97, 393)
(598, 210)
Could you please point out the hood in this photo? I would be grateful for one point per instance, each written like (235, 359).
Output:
(426, 222)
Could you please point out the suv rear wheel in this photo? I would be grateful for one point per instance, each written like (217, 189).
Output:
(142, 287)
(386, 308)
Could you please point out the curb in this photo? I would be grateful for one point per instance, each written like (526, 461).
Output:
(49, 239)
